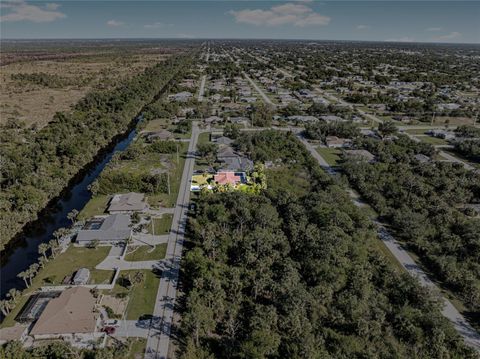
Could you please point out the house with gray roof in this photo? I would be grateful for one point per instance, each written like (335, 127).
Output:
(106, 229)
(127, 203)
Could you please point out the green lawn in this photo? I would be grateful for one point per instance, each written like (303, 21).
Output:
(96, 206)
(73, 259)
(147, 253)
(156, 125)
(433, 140)
(165, 199)
(161, 225)
(137, 347)
(63, 265)
(331, 155)
(415, 131)
(142, 295)
(203, 138)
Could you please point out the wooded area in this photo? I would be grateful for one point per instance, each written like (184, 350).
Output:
(294, 272)
(37, 165)
(427, 206)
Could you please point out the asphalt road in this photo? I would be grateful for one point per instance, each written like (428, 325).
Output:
(159, 332)
(259, 90)
(202, 88)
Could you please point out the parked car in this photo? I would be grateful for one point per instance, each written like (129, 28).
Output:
(109, 330)
(111, 323)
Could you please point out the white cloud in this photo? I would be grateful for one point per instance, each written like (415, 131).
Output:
(115, 23)
(451, 36)
(22, 11)
(434, 29)
(289, 13)
(363, 27)
(402, 39)
(156, 25)
(52, 6)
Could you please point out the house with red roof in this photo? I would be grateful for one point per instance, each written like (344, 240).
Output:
(223, 178)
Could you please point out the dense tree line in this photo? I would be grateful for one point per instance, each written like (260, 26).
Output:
(424, 203)
(469, 146)
(62, 350)
(321, 129)
(37, 165)
(44, 79)
(293, 273)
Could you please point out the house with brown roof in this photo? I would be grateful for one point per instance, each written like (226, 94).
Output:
(71, 313)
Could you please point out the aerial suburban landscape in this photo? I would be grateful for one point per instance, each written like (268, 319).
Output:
(199, 197)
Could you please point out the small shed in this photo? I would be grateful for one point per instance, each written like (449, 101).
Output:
(82, 276)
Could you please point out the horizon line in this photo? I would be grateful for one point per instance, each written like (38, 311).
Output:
(232, 38)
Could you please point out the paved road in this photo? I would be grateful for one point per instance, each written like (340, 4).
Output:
(132, 328)
(159, 335)
(202, 88)
(469, 334)
(259, 90)
(455, 159)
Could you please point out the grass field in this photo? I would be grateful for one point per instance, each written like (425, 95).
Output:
(65, 264)
(84, 74)
(96, 206)
(147, 253)
(142, 295)
(161, 225)
(433, 140)
(137, 347)
(156, 125)
(331, 155)
(169, 200)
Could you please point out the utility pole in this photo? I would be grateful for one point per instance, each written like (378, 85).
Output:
(168, 182)
(177, 154)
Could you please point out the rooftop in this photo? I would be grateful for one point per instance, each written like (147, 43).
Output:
(71, 312)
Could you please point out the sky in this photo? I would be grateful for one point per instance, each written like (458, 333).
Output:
(404, 21)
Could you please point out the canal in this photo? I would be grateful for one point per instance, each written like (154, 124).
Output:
(24, 251)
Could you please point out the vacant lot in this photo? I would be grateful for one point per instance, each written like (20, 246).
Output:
(35, 103)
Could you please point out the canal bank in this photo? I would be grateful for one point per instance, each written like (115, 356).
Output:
(22, 251)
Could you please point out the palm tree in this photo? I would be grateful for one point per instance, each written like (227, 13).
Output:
(42, 261)
(4, 307)
(32, 270)
(72, 216)
(43, 249)
(13, 294)
(59, 233)
(24, 275)
(53, 247)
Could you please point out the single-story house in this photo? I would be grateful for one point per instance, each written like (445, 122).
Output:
(422, 158)
(213, 119)
(106, 229)
(159, 135)
(223, 140)
(183, 96)
(360, 154)
(73, 312)
(331, 118)
(127, 203)
(231, 178)
(335, 142)
(301, 118)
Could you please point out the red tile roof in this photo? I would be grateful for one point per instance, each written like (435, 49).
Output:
(227, 178)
